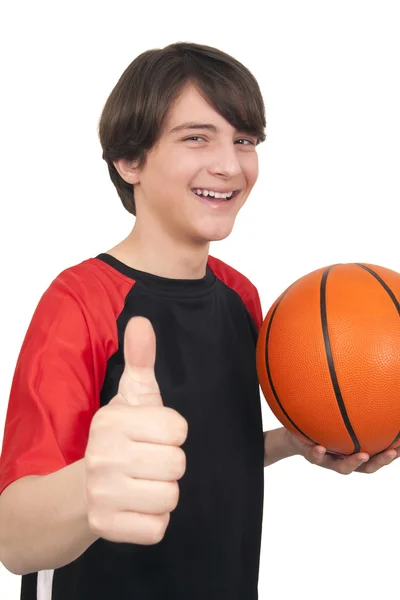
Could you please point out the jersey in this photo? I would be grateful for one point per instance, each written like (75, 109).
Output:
(70, 365)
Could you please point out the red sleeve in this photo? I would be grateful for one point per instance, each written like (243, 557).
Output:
(242, 286)
(55, 390)
(254, 308)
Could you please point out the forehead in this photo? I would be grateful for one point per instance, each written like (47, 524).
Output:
(191, 106)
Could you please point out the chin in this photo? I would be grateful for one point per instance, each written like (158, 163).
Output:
(217, 235)
(220, 236)
(210, 230)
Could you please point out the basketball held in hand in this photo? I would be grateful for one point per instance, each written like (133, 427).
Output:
(328, 358)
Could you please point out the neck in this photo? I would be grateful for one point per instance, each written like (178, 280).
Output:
(154, 251)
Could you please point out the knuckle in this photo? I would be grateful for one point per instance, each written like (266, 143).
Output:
(183, 428)
(180, 463)
(175, 496)
(102, 423)
(171, 496)
(168, 412)
(95, 495)
(175, 464)
(98, 462)
(178, 427)
(175, 425)
(93, 461)
(110, 416)
(95, 523)
(101, 418)
(159, 528)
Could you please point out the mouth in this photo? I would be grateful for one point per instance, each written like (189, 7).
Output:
(215, 196)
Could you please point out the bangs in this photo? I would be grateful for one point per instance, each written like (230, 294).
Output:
(235, 95)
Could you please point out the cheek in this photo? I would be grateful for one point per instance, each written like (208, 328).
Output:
(250, 167)
(161, 183)
(178, 172)
(186, 167)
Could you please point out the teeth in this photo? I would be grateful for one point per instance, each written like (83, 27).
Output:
(224, 196)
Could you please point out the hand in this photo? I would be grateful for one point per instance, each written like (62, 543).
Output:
(360, 462)
(133, 459)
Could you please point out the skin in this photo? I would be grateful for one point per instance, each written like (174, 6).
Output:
(169, 216)
(360, 462)
(173, 228)
(126, 486)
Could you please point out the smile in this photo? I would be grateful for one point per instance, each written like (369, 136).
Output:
(213, 194)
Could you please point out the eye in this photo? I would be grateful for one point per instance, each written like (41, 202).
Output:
(241, 141)
(247, 142)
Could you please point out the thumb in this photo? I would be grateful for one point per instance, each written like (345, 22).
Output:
(138, 384)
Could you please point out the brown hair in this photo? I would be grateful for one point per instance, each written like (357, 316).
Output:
(132, 118)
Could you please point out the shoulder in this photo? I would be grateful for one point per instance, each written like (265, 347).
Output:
(90, 283)
(230, 276)
(87, 297)
(92, 275)
(240, 284)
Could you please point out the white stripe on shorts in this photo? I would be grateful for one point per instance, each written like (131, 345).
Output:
(44, 585)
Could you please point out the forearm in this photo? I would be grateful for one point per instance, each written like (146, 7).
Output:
(277, 446)
(43, 521)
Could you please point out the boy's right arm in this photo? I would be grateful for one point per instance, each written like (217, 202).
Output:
(122, 490)
(43, 520)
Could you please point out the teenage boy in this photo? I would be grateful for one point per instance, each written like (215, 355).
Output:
(138, 368)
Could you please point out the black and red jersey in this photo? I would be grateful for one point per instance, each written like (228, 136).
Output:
(70, 364)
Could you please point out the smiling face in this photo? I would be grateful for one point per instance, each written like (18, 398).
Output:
(198, 156)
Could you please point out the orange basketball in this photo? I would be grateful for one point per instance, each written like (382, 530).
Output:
(328, 358)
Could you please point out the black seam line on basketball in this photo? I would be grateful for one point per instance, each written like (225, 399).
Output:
(394, 441)
(331, 364)
(383, 284)
(397, 305)
(271, 383)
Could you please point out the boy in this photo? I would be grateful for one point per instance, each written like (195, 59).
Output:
(138, 368)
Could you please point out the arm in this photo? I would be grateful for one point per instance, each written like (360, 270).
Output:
(277, 446)
(54, 395)
(43, 521)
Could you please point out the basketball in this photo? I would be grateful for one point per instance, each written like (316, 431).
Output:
(328, 358)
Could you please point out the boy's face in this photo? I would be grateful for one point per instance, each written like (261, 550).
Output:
(212, 156)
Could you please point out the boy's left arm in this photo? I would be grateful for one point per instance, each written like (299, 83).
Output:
(281, 443)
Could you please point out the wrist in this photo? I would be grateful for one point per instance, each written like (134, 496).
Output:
(290, 443)
(278, 445)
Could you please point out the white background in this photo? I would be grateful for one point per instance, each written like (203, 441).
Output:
(328, 192)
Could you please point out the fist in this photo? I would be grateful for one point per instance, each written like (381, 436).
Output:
(133, 459)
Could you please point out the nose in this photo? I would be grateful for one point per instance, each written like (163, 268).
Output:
(225, 161)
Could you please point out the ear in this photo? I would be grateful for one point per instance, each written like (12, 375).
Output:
(128, 170)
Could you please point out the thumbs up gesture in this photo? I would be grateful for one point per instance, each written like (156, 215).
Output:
(133, 459)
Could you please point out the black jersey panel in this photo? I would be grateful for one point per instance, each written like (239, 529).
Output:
(205, 367)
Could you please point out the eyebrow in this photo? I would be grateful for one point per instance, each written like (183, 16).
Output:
(192, 125)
